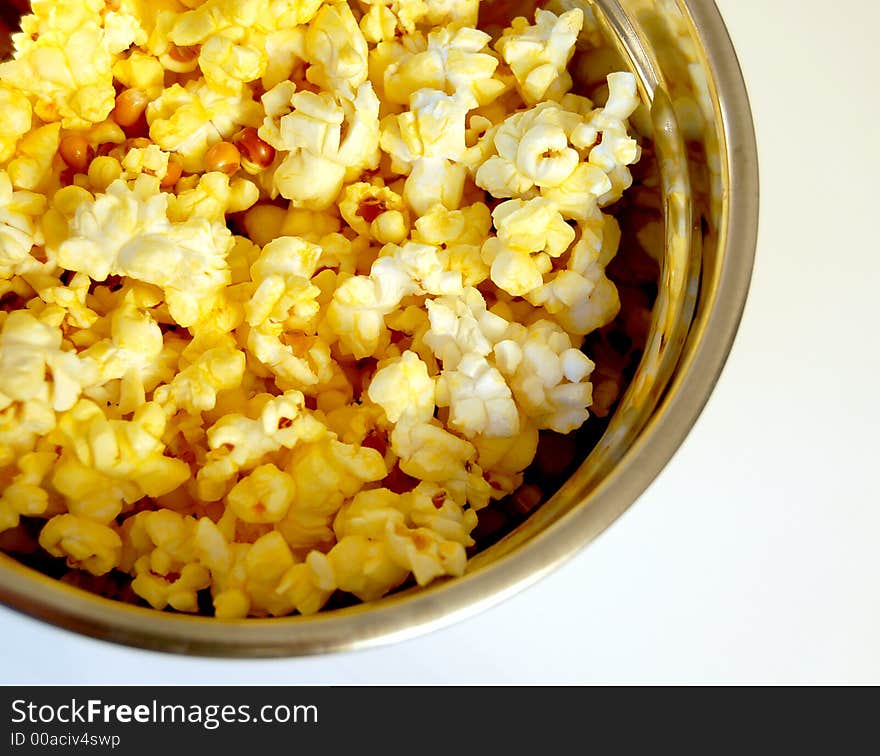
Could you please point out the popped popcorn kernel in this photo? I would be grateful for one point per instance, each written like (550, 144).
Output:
(86, 545)
(539, 54)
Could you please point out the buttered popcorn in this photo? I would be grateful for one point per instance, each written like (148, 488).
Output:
(291, 288)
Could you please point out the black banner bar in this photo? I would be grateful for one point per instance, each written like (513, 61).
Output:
(159, 721)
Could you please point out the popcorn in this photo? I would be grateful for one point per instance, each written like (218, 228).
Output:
(460, 233)
(433, 127)
(87, 545)
(581, 297)
(530, 234)
(538, 55)
(240, 443)
(479, 399)
(228, 66)
(547, 376)
(375, 211)
(31, 168)
(376, 572)
(29, 350)
(430, 453)
(337, 50)
(18, 227)
(325, 473)
(189, 120)
(25, 496)
(130, 451)
(453, 62)
(66, 69)
(276, 381)
(533, 151)
(404, 388)
(264, 496)
(462, 325)
(212, 198)
(213, 16)
(127, 232)
(141, 71)
(319, 157)
(195, 388)
(356, 313)
(283, 291)
(434, 549)
(17, 118)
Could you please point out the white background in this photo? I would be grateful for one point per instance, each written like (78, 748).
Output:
(755, 557)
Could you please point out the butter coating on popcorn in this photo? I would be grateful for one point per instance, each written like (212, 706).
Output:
(290, 288)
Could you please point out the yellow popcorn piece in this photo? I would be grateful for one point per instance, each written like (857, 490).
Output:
(127, 232)
(455, 61)
(460, 233)
(212, 16)
(360, 303)
(533, 150)
(180, 592)
(195, 387)
(325, 474)
(529, 235)
(63, 61)
(19, 231)
(427, 266)
(425, 532)
(131, 352)
(337, 50)
(141, 71)
(29, 350)
(365, 568)
(159, 549)
(189, 120)
(87, 545)
(150, 160)
(426, 555)
(433, 127)
(430, 453)
(539, 54)
(375, 211)
(228, 66)
(310, 584)
(212, 198)
(285, 51)
(238, 442)
(31, 168)
(17, 119)
(505, 459)
(25, 495)
(547, 375)
(581, 297)
(479, 399)
(327, 138)
(462, 325)
(282, 276)
(430, 506)
(403, 388)
(297, 360)
(131, 451)
(264, 496)
(384, 18)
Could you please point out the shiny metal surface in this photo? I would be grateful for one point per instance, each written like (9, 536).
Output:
(689, 74)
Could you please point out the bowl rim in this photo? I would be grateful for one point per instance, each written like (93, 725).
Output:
(408, 615)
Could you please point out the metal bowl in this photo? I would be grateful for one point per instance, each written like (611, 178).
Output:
(704, 142)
